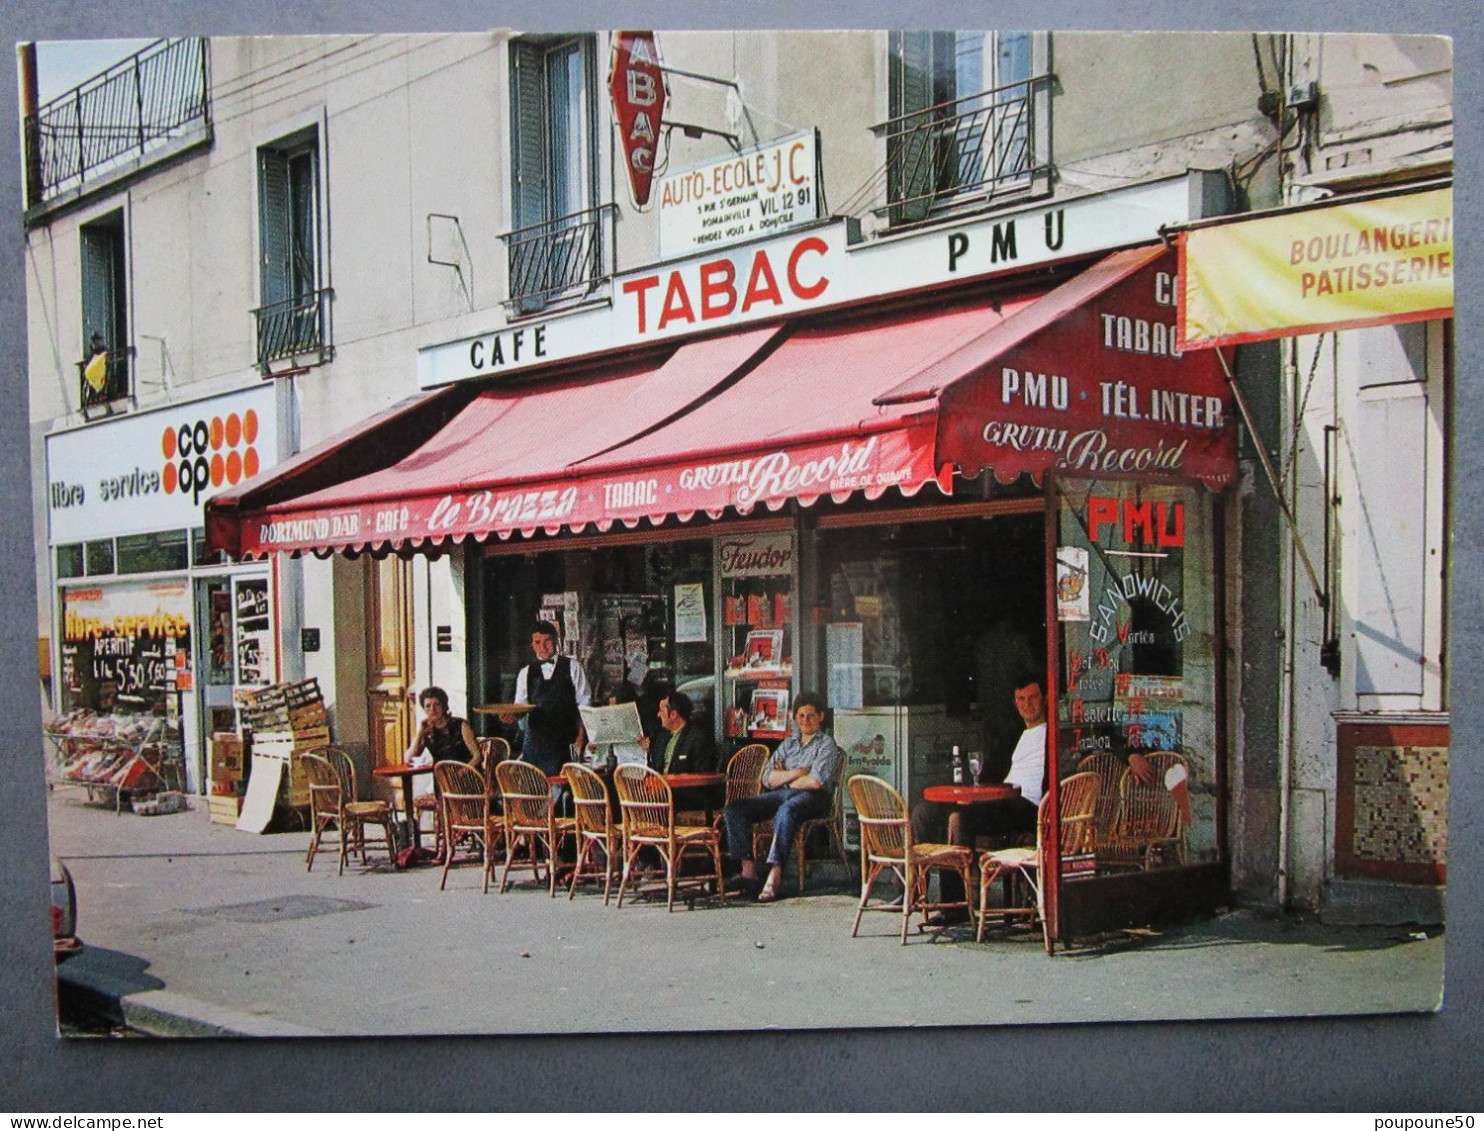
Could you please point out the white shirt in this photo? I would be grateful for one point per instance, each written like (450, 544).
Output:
(1028, 763)
(579, 681)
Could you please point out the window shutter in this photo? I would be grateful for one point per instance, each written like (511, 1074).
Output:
(910, 152)
(275, 274)
(528, 135)
(98, 275)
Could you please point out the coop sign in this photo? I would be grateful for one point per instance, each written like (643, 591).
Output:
(742, 196)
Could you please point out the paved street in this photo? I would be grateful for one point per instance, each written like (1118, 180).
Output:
(199, 929)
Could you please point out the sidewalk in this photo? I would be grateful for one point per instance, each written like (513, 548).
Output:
(197, 929)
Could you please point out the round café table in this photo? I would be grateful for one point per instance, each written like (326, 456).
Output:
(404, 772)
(970, 794)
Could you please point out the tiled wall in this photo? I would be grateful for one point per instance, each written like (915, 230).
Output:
(1392, 804)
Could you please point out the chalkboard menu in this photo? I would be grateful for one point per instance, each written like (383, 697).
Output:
(126, 648)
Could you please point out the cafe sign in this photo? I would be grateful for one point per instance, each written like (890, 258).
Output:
(743, 196)
(1367, 263)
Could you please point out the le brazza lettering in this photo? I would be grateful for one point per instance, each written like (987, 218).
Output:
(486, 509)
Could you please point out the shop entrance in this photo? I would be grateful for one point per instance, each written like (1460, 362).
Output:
(927, 626)
(389, 671)
(216, 662)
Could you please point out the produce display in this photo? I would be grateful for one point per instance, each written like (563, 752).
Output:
(128, 754)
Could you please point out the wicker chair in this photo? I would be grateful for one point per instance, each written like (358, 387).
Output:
(466, 817)
(595, 829)
(1149, 823)
(832, 824)
(886, 843)
(332, 801)
(530, 821)
(1109, 768)
(1079, 807)
(648, 809)
(745, 773)
(492, 751)
(1162, 763)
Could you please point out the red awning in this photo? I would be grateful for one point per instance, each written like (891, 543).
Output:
(861, 402)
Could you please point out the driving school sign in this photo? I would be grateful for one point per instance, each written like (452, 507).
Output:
(742, 196)
(638, 88)
(1366, 263)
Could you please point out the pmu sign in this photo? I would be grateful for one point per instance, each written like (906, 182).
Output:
(638, 89)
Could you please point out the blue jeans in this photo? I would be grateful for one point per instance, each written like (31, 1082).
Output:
(789, 808)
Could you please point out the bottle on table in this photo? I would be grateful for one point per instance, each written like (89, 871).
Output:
(958, 767)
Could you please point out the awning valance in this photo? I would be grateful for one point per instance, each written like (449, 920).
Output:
(1082, 376)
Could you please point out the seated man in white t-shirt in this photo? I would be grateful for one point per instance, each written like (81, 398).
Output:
(937, 823)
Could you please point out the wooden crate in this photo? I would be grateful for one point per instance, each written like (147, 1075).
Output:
(224, 810)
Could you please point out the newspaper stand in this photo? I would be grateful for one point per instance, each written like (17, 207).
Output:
(117, 756)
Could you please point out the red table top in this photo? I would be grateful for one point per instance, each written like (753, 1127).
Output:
(398, 769)
(970, 794)
(692, 781)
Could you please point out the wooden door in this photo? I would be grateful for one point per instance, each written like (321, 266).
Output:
(389, 673)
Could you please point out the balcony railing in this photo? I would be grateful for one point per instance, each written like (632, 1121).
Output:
(130, 110)
(561, 258)
(294, 333)
(103, 379)
(974, 148)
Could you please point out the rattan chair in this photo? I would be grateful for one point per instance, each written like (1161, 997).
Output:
(745, 773)
(1148, 826)
(648, 809)
(492, 751)
(1079, 807)
(595, 829)
(886, 844)
(832, 823)
(530, 821)
(466, 817)
(1109, 768)
(332, 801)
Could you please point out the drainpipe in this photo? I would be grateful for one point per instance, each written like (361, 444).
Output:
(1286, 696)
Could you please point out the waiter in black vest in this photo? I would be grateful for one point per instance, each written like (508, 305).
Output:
(556, 686)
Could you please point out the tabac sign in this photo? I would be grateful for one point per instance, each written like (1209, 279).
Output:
(638, 89)
(1365, 263)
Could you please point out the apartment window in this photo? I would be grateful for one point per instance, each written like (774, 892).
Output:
(963, 119)
(293, 320)
(556, 245)
(106, 352)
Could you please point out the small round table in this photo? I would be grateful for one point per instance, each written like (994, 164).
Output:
(970, 794)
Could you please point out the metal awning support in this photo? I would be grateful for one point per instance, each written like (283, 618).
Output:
(1267, 466)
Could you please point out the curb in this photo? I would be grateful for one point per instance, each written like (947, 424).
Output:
(164, 1013)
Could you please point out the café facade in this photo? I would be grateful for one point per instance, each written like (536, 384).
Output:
(898, 472)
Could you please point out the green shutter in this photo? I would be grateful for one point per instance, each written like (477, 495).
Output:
(274, 256)
(527, 134)
(99, 274)
(910, 153)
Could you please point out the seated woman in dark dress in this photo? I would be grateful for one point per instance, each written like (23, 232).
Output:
(444, 736)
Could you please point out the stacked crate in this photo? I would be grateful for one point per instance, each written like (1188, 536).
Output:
(286, 720)
(228, 778)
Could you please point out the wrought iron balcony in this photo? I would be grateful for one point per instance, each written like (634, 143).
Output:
(105, 378)
(972, 149)
(295, 333)
(130, 110)
(560, 258)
